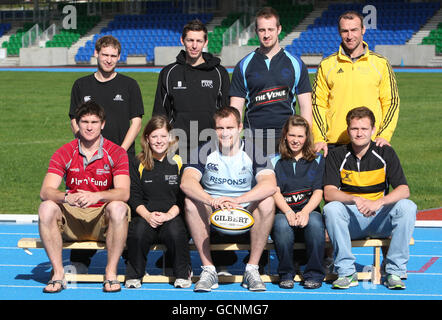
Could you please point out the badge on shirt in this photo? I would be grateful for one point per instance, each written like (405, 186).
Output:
(171, 178)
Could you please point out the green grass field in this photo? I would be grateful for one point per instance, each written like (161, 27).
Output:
(34, 123)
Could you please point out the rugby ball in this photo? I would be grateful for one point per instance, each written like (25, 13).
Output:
(232, 221)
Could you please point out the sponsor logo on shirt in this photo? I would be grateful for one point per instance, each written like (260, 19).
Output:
(78, 182)
(230, 182)
(87, 98)
(207, 83)
(271, 95)
(298, 197)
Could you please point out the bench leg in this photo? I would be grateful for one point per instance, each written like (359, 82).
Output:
(376, 275)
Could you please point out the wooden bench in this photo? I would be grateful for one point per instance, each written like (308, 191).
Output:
(374, 275)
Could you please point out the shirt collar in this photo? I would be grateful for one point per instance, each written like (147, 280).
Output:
(98, 155)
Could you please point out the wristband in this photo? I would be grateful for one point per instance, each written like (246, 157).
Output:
(65, 195)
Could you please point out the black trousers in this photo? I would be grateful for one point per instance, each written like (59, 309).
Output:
(141, 236)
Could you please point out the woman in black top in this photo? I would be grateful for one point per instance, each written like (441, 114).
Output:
(156, 203)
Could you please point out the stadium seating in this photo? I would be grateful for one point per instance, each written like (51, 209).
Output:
(67, 37)
(396, 23)
(435, 37)
(4, 27)
(15, 40)
(290, 16)
(161, 25)
(216, 36)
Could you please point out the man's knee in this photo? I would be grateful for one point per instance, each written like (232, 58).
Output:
(194, 209)
(334, 210)
(48, 211)
(405, 208)
(266, 207)
(117, 211)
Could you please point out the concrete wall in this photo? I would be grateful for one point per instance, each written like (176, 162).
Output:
(230, 55)
(412, 55)
(166, 55)
(43, 57)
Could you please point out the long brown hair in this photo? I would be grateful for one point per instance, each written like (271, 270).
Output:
(146, 155)
(308, 152)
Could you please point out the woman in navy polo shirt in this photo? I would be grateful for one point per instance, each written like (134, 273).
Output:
(299, 172)
(157, 206)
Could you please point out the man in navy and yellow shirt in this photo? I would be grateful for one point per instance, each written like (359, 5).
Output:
(357, 180)
(352, 77)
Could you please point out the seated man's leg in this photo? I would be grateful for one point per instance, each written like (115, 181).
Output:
(116, 214)
(197, 219)
(263, 213)
(49, 218)
(338, 218)
(397, 221)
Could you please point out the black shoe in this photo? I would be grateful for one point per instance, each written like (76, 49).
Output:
(287, 284)
(312, 284)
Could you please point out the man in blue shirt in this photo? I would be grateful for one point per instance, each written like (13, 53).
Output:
(266, 81)
(226, 176)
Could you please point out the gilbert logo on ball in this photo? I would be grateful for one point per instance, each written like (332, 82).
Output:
(234, 221)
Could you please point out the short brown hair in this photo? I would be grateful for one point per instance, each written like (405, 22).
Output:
(308, 152)
(89, 107)
(267, 13)
(360, 112)
(350, 15)
(225, 112)
(108, 41)
(194, 25)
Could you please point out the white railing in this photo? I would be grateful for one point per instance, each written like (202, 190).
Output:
(31, 37)
(230, 36)
(240, 31)
(247, 34)
(49, 33)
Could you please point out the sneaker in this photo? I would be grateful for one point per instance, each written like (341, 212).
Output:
(208, 281)
(132, 283)
(183, 283)
(394, 282)
(222, 271)
(346, 282)
(252, 281)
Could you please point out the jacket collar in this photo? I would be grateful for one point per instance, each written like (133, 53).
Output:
(343, 56)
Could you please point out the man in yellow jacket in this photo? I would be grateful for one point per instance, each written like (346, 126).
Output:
(353, 77)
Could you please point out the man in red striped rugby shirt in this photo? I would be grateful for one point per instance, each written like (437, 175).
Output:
(96, 174)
